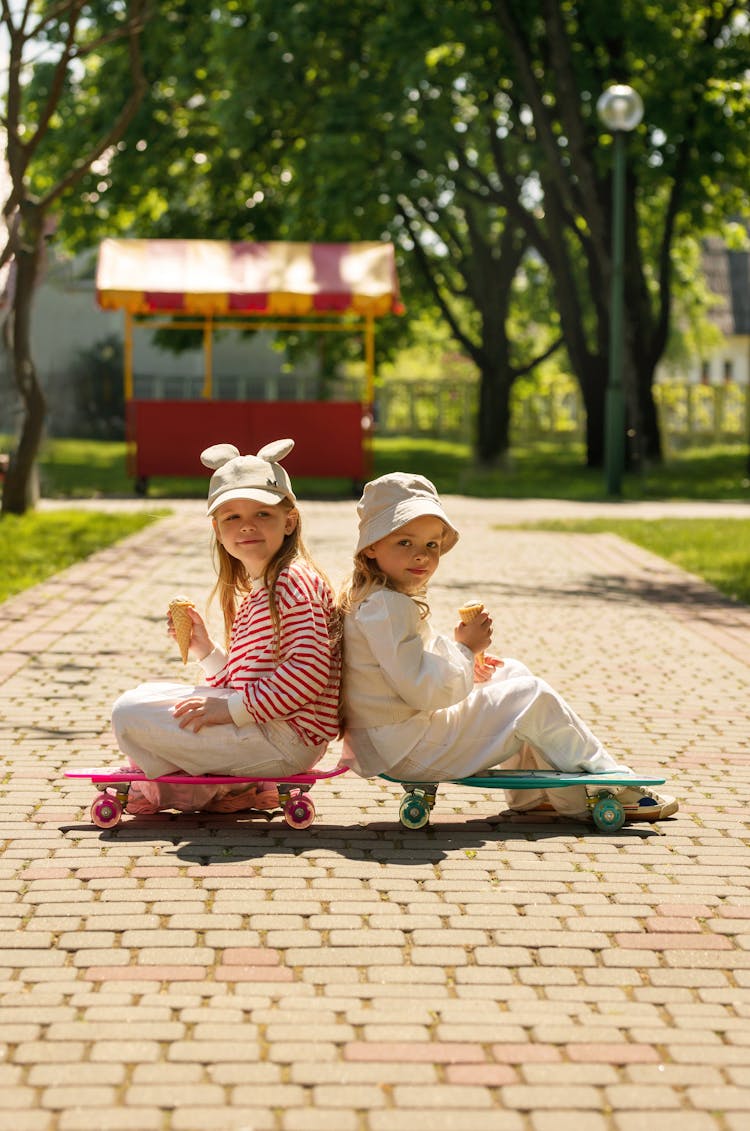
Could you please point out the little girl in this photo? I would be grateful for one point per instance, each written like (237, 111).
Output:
(421, 707)
(268, 705)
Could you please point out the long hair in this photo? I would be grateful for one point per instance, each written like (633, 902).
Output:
(233, 584)
(366, 578)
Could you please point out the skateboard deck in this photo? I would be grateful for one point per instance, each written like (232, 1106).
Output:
(607, 812)
(114, 785)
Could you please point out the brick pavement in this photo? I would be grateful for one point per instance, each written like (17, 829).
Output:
(191, 973)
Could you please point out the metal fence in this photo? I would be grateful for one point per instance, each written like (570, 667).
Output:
(447, 410)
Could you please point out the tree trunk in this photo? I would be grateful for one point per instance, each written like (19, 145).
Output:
(19, 488)
(592, 377)
(493, 425)
(651, 444)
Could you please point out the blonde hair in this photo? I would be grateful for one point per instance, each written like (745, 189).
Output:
(367, 577)
(233, 584)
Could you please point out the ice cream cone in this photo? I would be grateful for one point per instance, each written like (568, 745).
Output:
(183, 623)
(467, 614)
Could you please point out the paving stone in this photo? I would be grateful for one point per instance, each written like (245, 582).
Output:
(489, 973)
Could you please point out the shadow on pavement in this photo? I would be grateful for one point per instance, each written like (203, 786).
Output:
(193, 839)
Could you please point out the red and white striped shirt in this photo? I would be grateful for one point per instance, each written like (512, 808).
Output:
(298, 682)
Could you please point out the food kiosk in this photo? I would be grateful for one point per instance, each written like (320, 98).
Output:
(213, 285)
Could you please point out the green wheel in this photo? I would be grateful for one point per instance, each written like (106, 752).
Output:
(414, 812)
(608, 814)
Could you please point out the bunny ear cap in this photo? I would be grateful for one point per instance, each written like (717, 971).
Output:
(218, 455)
(259, 478)
(275, 451)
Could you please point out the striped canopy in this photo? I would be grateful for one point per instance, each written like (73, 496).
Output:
(216, 277)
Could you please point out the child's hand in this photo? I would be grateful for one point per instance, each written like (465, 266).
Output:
(484, 668)
(201, 711)
(201, 643)
(476, 635)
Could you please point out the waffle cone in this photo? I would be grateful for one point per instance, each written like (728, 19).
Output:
(467, 614)
(183, 624)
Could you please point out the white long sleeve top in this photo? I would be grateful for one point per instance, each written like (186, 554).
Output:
(397, 673)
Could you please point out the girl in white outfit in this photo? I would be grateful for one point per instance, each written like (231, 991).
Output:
(420, 706)
(268, 702)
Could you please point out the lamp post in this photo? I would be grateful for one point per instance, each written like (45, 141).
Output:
(620, 109)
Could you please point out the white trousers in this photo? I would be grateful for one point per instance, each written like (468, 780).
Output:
(148, 733)
(516, 721)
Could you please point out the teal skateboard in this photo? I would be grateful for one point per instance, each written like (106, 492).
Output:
(606, 811)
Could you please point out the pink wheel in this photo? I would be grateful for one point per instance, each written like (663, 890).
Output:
(106, 811)
(299, 812)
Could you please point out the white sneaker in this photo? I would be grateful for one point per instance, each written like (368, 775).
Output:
(639, 803)
(643, 804)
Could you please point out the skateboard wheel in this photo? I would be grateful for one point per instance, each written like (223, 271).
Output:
(299, 812)
(106, 811)
(608, 814)
(414, 812)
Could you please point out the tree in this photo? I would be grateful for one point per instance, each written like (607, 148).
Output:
(470, 130)
(367, 105)
(78, 48)
(468, 134)
(687, 170)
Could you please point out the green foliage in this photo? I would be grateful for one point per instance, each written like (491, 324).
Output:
(717, 550)
(85, 469)
(34, 546)
(466, 132)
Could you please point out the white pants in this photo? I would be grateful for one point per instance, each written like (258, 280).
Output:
(148, 733)
(516, 721)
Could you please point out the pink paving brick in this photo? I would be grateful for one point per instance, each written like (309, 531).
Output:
(673, 924)
(675, 941)
(530, 1053)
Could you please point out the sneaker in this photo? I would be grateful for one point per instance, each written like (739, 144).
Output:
(643, 804)
(639, 803)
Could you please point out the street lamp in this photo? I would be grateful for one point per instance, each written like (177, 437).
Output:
(620, 109)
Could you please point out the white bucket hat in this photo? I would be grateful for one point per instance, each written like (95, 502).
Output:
(260, 478)
(391, 501)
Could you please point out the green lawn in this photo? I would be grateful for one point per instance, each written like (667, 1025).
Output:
(36, 545)
(556, 471)
(87, 468)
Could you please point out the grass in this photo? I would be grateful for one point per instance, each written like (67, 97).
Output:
(36, 545)
(74, 469)
(718, 550)
(555, 471)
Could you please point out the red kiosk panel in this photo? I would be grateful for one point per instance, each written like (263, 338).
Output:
(170, 435)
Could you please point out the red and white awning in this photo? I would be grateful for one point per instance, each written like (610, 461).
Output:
(217, 277)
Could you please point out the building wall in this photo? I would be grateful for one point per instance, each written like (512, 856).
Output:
(67, 321)
(728, 363)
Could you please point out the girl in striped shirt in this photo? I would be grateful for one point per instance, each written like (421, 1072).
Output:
(268, 704)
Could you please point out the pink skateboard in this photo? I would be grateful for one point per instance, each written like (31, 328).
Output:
(114, 785)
